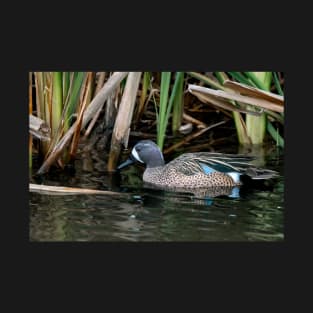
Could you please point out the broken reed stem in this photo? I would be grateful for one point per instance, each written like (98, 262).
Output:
(91, 110)
(95, 118)
(38, 128)
(123, 119)
(190, 137)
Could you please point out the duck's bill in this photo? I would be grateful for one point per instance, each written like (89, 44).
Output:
(125, 164)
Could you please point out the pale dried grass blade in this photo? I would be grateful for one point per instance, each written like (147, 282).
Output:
(223, 104)
(254, 92)
(258, 102)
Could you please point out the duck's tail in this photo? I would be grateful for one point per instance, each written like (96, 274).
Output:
(259, 173)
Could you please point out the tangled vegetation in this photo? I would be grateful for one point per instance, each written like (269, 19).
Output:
(64, 108)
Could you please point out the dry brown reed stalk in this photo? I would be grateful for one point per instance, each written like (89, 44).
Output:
(207, 80)
(123, 120)
(91, 110)
(258, 102)
(193, 120)
(222, 104)
(142, 110)
(111, 108)
(100, 83)
(254, 92)
(143, 96)
(142, 135)
(87, 88)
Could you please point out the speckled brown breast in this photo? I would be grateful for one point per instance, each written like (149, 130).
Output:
(174, 177)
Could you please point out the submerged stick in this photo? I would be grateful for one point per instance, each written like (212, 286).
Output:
(61, 190)
(92, 109)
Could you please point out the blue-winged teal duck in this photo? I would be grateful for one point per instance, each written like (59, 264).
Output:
(193, 170)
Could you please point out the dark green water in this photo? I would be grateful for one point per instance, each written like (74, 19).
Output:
(141, 214)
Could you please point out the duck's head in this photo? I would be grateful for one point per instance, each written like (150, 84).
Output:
(147, 152)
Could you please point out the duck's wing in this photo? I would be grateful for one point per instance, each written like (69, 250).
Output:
(207, 162)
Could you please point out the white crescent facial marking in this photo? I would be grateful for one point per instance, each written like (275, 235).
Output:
(136, 156)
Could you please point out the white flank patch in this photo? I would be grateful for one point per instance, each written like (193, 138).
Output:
(136, 156)
(235, 176)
